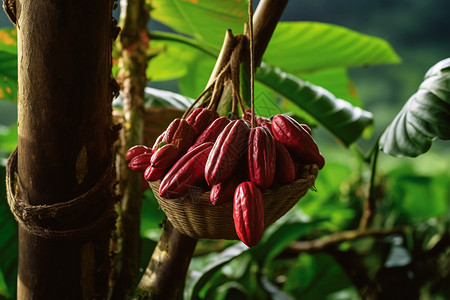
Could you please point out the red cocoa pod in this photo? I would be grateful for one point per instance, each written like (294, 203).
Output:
(135, 151)
(296, 139)
(224, 191)
(261, 157)
(158, 141)
(211, 133)
(165, 157)
(321, 161)
(144, 185)
(248, 213)
(264, 122)
(153, 174)
(181, 134)
(228, 148)
(186, 173)
(140, 162)
(200, 118)
(306, 127)
(285, 168)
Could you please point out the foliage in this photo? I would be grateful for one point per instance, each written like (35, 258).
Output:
(425, 117)
(304, 72)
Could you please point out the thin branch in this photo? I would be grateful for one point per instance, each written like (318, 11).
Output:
(332, 240)
(369, 201)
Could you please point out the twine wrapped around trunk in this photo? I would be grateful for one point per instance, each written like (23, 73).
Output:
(77, 218)
(196, 217)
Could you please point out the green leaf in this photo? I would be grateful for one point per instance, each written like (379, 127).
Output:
(174, 55)
(335, 80)
(160, 98)
(8, 139)
(280, 235)
(151, 217)
(204, 20)
(344, 121)
(424, 117)
(311, 46)
(155, 97)
(199, 279)
(8, 76)
(8, 40)
(315, 277)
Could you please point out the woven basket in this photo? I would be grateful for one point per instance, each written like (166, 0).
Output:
(195, 216)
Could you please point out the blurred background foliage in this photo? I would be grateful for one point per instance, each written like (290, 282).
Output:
(316, 251)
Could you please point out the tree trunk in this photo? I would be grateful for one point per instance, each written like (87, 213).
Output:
(65, 144)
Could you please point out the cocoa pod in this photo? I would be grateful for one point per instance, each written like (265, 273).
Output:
(200, 118)
(140, 163)
(181, 134)
(306, 127)
(296, 139)
(228, 148)
(135, 151)
(186, 173)
(158, 141)
(248, 213)
(264, 122)
(261, 157)
(285, 168)
(153, 174)
(211, 132)
(165, 157)
(224, 191)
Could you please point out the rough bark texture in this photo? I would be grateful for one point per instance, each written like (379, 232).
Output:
(133, 43)
(65, 139)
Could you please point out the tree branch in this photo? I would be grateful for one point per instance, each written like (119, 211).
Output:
(334, 239)
(133, 44)
(369, 202)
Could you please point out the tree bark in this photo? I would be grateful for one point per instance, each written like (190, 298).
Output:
(65, 140)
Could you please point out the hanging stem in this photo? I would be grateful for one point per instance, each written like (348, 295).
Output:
(252, 62)
(369, 201)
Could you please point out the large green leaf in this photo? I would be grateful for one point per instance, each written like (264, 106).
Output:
(160, 98)
(335, 80)
(175, 56)
(199, 279)
(205, 20)
(310, 46)
(8, 76)
(344, 121)
(8, 64)
(424, 117)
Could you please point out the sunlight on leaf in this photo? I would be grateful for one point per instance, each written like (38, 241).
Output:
(311, 46)
(205, 20)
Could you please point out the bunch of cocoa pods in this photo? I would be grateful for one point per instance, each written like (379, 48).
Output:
(231, 159)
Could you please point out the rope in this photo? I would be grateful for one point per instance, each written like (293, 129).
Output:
(80, 217)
